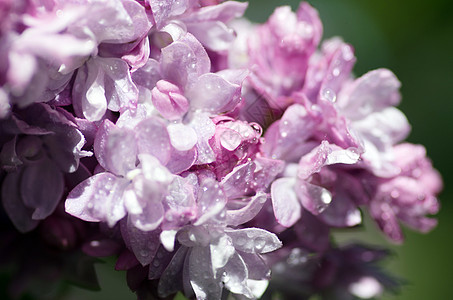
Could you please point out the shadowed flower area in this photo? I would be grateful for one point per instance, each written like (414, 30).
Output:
(209, 156)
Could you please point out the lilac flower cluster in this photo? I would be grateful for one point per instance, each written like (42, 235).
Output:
(201, 149)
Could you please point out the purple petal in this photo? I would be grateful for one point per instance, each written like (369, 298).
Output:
(205, 129)
(126, 260)
(341, 212)
(120, 91)
(287, 208)
(267, 170)
(19, 214)
(88, 92)
(213, 93)
(254, 240)
(183, 61)
(373, 91)
(115, 148)
(312, 233)
(182, 137)
(247, 209)
(324, 155)
(160, 262)
(148, 75)
(202, 279)
(211, 200)
(149, 218)
(386, 220)
(238, 181)
(144, 244)
(41, 188)
(180, 202)
(256, 266)
(287, 138)
(169, 100)
(163, 10)
(314, 198)
(152, 138)
(181, 160)
(223, 12)
(235, 276)
(99, 198)
(169, 283)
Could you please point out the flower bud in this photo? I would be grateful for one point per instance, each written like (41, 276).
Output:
(169, 100)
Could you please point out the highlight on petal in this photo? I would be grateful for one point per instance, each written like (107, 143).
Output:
(254, 240)
(287, 208)
(99, 198)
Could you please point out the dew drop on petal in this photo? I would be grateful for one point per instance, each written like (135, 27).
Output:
(329, 95)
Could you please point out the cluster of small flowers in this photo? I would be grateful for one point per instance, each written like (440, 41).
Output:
(201, 149)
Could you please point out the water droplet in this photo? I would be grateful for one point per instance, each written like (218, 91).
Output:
(347, 53)
(95, 243)
(240, 241)
(144, 253)
(329, 95)
(284, 134)
(259, 243)
(416, 173)
(336, 71)
(326, 196)
(394, 194)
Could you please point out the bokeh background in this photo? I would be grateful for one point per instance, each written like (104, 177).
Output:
(415, 40)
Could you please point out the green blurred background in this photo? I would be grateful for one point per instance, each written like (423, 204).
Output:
(415, 40)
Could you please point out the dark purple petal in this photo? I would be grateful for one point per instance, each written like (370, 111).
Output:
(202, 279)
(170, 281)
(144, 244)
(41, 188)
(19, 214)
